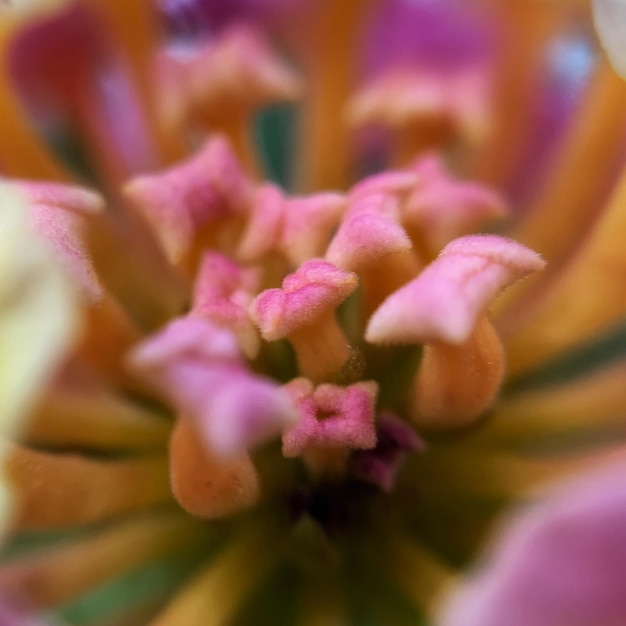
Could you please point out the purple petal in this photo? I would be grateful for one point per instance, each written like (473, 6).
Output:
(440, 34)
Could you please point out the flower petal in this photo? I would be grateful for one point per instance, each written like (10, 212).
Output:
(30, 282)
(610, 20)
(562, 562)
(61, 490)
(444, 302)
(92, 560)
(197, 367)
(598, 267)
(214, 595)
(205, 486)
(455, 384)
(178, 203)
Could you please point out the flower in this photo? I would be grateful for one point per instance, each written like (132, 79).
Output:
(305, 399)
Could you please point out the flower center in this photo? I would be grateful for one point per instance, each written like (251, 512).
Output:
(341, 323)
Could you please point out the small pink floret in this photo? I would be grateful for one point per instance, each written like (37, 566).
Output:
(442, 208)
(197, 367)
(57, 213)
(445, 301)
(308, 224)
(331, 416)
(265, 222)
(315, 288)
(392, 182)
(178, 202)
(363, 239)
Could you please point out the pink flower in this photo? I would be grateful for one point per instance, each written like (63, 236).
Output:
(305, 397)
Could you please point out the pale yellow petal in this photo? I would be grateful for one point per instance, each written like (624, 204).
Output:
(38, 316)
(38, 310)
(610, 21)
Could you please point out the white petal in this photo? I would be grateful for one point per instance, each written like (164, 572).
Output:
(38, 314)
(610, 20)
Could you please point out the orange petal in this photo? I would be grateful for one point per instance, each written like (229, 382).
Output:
(593, 143)
(204, 486)
(22, 152)
(456, 384)
(586, 297)
(97, 420)
(60, 490)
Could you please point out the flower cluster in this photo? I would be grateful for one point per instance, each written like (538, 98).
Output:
(235, 400)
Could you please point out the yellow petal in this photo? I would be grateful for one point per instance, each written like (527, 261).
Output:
(586, 297)
(597, 401)
(214, 595)
(419, 573)
(444, 474)
(55, 576)
(31, 343)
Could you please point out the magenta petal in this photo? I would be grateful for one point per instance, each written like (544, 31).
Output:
(563, 563)
(198, 369)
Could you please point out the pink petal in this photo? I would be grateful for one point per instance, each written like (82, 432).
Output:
(264, 226)
(222, 294)
(180, 201)
(441, 209)
(561, 562)
(364, 239)
(57, 213)
(445, 301)
(13, 614)
(235, 71)
(188, 338)
(308, 224)
(316, 288)
(388, 182)
(198, 368)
